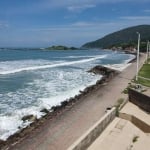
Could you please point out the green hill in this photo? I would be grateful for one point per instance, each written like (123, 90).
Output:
(123, 38)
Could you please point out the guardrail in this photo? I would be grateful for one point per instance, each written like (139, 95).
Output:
(144, 78)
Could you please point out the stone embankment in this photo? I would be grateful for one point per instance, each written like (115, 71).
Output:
(107, 73)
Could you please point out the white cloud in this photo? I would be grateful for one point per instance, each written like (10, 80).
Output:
(71, 5)
(67, 3)
(75, 34)
(78, 33)
(80, 8)
(136, 17)
(3, 25)
(83, 24)
(147, 10)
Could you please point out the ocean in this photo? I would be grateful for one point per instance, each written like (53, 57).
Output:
(31, 80)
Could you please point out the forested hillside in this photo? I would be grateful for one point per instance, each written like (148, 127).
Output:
(123, 38)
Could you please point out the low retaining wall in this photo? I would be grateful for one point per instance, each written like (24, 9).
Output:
(139, 99)
(136, 121)
(85, 141)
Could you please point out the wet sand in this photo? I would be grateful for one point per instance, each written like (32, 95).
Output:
(61, 128)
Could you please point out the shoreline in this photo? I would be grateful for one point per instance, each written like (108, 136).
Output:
(60, 131)
(107, 75)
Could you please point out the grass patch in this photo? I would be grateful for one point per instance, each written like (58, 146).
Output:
(144, 72)
(119, 102)
(125, 91)
(148, 60)
(135, 138)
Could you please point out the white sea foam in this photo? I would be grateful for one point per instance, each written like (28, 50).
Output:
(13, 123)
(81, 56)
(131, 57)
(49, 65)
(119, 67)
(42, 93)
(122, 66)
(47, 88)
(10, 125)
(56, 100)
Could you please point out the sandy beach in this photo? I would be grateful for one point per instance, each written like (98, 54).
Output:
(59, 132)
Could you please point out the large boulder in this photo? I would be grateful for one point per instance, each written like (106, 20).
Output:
(30, 118)
(102, 70)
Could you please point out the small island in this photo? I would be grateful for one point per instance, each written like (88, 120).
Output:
(60, 47)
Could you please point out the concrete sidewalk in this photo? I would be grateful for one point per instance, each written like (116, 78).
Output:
(134, 110)
(122, 134)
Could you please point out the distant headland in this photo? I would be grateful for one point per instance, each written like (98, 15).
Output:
(125, 39)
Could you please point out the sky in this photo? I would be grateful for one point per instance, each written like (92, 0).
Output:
(43, 23)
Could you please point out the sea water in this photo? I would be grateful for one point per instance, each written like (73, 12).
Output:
(31, 80)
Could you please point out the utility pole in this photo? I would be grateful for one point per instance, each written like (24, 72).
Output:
(138, 49)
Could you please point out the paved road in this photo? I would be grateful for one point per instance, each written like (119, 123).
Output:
(61, 132)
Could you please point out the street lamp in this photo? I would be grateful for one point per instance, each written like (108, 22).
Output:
(149, 50)
(138, 48)
(147, 53)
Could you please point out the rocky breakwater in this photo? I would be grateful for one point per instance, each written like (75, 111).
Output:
(107, 74)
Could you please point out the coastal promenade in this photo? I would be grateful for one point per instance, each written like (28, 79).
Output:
(60, 132)
(129, 131)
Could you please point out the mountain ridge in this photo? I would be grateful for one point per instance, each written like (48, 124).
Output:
(122, 38)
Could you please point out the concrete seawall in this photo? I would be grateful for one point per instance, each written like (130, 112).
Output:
(84, 141)
(139, 99)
